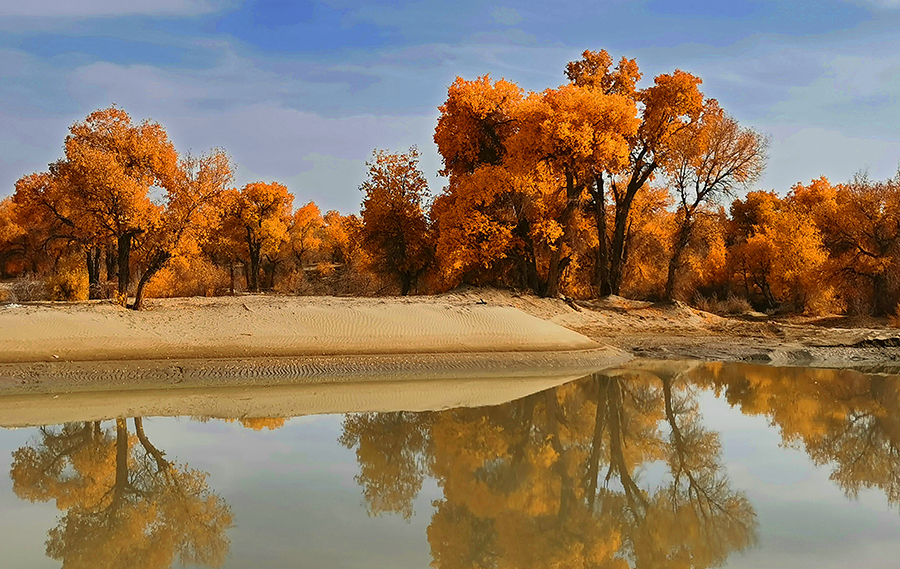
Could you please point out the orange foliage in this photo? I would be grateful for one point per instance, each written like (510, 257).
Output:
(109, 168)
(394, 227)
(777, 253)
(188, 275)
(262, 213)
(260, 423)
(860, 226)
(306, 232)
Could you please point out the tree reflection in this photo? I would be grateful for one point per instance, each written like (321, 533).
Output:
(125, 504)
(842, 418)
(556, 479)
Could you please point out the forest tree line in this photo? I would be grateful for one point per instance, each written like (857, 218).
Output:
(596, 187)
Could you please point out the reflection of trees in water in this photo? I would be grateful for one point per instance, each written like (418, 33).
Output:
(125, 504)
(843, 418)
(553, 480)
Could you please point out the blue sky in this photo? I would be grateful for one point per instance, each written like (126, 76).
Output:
(302, 91)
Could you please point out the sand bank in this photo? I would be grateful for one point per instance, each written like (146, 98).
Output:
(265, 326)
(278, 356)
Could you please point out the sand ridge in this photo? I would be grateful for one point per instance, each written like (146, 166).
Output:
(258, 326)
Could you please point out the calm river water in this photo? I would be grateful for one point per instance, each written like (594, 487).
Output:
(735, 465)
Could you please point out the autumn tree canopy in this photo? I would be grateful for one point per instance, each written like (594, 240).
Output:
(394, 226)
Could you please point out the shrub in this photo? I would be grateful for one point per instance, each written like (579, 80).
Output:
(731, 305)
(188, 276)
(70, 282)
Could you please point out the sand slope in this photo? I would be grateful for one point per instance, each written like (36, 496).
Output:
(254, 326)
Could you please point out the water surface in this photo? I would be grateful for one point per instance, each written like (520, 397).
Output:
(676, 466)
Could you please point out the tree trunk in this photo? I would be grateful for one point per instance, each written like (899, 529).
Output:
(124, 254)
(601, 267)
(231, 275)
(405, 283)
(93, 268)
(527, 261)
(882, 303)
(617, 254)
(158, 261)
(567, 220)
(618, 251)
(253, 275)
(684, 235)
(112, 262)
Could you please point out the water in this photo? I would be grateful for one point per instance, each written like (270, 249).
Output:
(679, 465)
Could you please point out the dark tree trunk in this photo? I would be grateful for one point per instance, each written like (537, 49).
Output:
(567, 220)
(124, 250)
(406, 280)
(619, 249)
(601, 268)
(157, 262)
(681, 242)
(112, 262)
(231, 275)
(253, 276)
(882, 302)
(527, 261)
(617, 254)
(93, 268)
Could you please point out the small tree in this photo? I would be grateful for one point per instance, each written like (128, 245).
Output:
(263, 212)
(395, 230)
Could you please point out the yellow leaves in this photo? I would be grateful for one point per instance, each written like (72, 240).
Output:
(673, 102)
(475, 121)
(395, 231)
(779, 250)
(593, 71)
(112, 163)
(70, 282)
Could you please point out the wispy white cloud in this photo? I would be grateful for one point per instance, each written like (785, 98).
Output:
(109, 8)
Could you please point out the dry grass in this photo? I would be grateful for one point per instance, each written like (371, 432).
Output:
(27, 289)
(894, 319)
(731, 305)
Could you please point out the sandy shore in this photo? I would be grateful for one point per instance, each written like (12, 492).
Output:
(261, 326)
(252, 356)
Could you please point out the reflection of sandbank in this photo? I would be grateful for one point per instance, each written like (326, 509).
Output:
(286, 356)
(471, 381)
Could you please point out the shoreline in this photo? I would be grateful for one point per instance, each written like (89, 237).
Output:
(416, 332)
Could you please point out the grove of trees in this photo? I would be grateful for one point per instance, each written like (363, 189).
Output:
(602, 185)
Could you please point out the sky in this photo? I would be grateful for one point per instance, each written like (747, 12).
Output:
(301, 92)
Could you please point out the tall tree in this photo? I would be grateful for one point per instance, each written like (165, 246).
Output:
(109, 167)
(573, 132)
(710, 160)
(395, 230)
(306, 232)
(671, 105)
